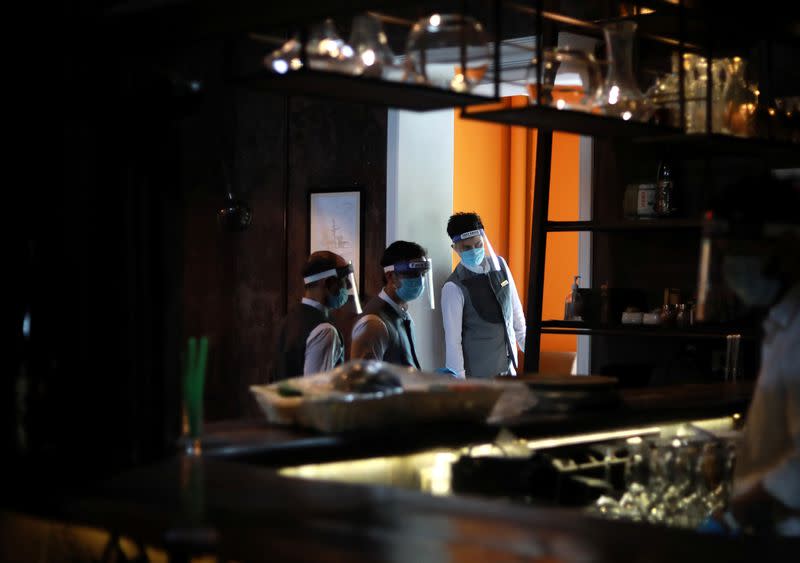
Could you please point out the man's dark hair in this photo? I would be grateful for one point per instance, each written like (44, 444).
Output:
(319, 261)
(401, 250)
(463, 222)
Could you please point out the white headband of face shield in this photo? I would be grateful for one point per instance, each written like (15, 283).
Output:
(337, 273)
(489, 249)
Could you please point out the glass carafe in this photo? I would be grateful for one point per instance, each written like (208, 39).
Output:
(620, 95)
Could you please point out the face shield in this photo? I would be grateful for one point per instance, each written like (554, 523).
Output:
(409, 271)
(344, 273)
(474, 256)
(736, 270)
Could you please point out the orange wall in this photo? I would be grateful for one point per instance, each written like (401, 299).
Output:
(493, 176)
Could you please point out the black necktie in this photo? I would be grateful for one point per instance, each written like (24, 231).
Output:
(407, 324)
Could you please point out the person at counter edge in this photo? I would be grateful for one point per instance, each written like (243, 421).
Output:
(307, 342)
(481, 310)
(765, 274)
(385, 331)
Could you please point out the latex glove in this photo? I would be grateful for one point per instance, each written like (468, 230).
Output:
(447, 371)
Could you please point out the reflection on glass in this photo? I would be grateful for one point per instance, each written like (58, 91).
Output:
(438, 46)
(325, 50)
(570, 79)
(373, 55)
(620, 95)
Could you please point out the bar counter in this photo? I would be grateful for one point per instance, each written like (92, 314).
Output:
(231, 501)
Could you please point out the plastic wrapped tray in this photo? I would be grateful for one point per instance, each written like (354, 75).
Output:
(421, 398)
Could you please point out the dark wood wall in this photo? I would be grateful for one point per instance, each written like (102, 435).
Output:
(237, 285)
(119, 257)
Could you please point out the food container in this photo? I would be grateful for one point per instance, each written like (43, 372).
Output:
(421, 398)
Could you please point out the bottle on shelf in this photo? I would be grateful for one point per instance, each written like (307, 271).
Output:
(665, 189)
(573, 305)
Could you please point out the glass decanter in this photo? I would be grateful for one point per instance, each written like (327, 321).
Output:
(620, 95)
(739, 101)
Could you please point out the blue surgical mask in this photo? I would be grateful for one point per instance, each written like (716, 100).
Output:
(410, 288)
(474, 257)
(743, 275)
(338, 300)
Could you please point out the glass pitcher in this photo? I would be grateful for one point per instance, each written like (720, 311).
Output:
(620, 95)
(739, 101)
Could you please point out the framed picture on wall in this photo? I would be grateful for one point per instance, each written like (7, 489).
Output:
(334, 224)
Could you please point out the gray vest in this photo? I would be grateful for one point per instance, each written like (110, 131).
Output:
(401, 333)
(289, 354)
(487, 307)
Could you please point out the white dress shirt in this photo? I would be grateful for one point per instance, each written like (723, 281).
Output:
(770, 448)
(453, 312)
(370, 335)
(324, 347)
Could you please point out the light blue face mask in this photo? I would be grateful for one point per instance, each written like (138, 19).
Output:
(338, 300)
(410, 288)
(743, 275)
(474, 257)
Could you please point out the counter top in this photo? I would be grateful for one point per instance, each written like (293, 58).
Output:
(255, 441)
(214, 503)
(246, 513)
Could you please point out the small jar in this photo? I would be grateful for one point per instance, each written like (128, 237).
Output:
(680, 315)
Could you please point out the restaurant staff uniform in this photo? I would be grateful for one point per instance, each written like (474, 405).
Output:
(307, 342)
(770, 448)
(483, 320)
(385, 332)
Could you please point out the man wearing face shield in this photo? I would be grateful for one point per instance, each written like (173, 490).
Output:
(386, 330)
(307, 341)
(751, 245)
(482, 313)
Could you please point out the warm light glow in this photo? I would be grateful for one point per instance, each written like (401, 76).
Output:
(737, 416)
(368, 57)
(772, 111)
(561, 104)
(627, 115)
(329, 47)
(613, 95)
(593, 437)
(435, 20)
(635, 441)
(676, 443)
(296, 64)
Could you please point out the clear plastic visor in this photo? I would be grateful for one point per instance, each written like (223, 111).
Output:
(487, 245)
(346, 273)
(422, 267)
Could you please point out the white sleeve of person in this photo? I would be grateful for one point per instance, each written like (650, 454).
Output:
(518, 313)
(770, 449)
(323, 349)
(452, 315)
(370, 339)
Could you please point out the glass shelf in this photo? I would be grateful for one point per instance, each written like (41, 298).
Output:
(360, 89)
(570, 122)
(625, 226)
(695, 331)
